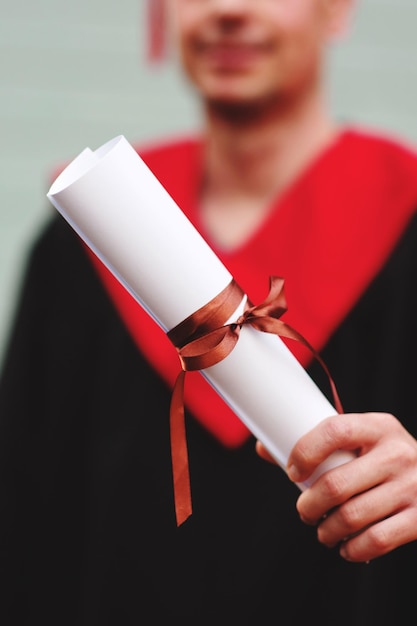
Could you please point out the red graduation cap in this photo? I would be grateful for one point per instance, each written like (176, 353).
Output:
(156, 31)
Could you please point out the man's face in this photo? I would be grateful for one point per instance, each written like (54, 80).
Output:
(246, 51)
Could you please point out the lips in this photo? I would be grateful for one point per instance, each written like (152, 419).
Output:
(231, 56)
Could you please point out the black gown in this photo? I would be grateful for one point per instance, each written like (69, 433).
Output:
(87, 532)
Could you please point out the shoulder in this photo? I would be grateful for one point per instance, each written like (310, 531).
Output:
(172, 153)
(381, 168)
(177, 164)
(379, 149)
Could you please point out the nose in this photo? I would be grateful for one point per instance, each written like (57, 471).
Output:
(231, 6)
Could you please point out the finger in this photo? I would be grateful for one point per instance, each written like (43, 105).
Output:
(381, 538)
(354, 431)
(264, 453)
(340, 484)
(361, 512)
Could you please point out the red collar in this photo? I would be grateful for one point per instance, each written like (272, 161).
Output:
(327, 236)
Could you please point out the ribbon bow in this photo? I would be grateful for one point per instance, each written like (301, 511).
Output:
(204, 339)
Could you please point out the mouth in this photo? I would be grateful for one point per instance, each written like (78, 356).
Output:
(228, 56)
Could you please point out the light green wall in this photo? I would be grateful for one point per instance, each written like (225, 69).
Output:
(73, 74)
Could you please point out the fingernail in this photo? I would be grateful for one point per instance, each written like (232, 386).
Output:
(343, 553)
(293, 473)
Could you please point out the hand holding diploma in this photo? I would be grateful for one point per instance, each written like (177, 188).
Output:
(367, 507)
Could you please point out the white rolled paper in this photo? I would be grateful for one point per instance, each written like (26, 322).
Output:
(123, 213)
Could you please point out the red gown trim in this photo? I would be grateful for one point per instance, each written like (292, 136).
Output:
(328, 236)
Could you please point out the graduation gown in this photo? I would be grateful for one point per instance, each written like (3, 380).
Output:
(87, 527)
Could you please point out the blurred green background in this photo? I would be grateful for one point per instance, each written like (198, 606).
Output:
(75, 74)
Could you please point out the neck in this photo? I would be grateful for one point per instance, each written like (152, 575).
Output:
(258, 153)
(252, 156)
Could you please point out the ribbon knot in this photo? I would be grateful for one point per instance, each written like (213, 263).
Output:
(206, 338)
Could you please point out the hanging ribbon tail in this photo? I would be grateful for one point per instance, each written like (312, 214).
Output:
(204, 339)
(179, 453)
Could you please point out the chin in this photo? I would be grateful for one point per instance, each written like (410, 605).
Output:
(239, 109)
(232, 91)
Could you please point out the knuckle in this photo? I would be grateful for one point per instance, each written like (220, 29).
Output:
(334, 485)
(391, 419)
(338, 430)
(390, 422)
(350, 515)
(402, 453)
(378, 540)
(408, 451)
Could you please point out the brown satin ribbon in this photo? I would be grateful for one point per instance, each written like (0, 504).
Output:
(204, 339)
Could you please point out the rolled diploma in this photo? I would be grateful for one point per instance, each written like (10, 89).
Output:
(123, 213)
